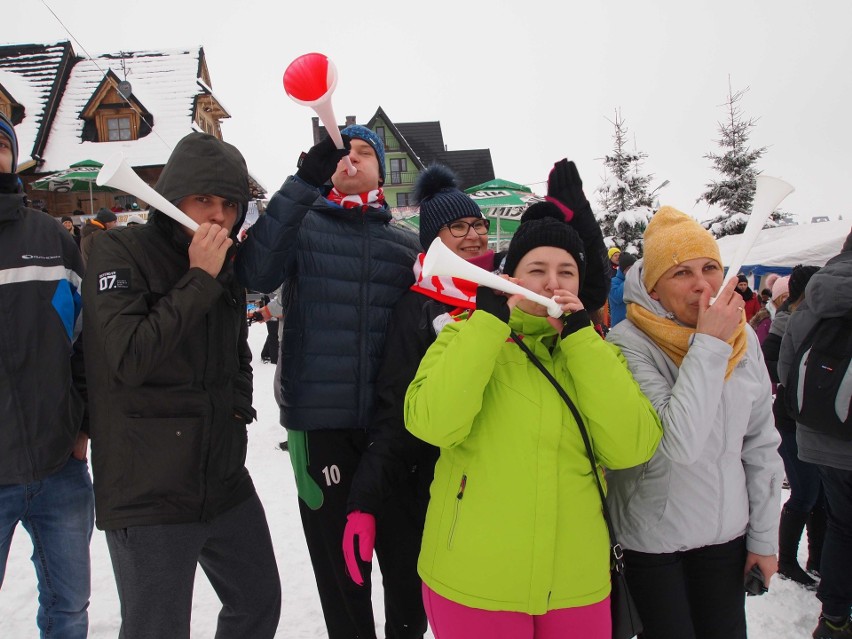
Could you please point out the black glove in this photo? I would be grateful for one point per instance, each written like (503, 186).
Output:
(565, 185)
(318, 165)
(490, 301)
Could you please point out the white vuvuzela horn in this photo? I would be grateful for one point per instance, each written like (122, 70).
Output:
(440, 260)
(767, 196)
(119, 175)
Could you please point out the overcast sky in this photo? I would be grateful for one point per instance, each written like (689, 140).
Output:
(531, 82)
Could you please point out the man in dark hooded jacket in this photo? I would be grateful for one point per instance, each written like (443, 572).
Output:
(171, 390)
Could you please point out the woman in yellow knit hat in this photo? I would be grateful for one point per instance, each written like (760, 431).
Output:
(703, 512)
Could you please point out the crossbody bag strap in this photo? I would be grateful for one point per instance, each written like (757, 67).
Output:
(617, 552)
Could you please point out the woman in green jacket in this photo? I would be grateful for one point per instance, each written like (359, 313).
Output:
(515, 543)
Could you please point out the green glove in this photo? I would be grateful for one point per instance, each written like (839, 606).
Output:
(309, 491)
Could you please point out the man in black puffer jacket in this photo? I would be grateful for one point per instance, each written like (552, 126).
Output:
(343, 266)
(44, 477)
(171, 395)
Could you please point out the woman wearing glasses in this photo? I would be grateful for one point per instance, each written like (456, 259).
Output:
(387, 502)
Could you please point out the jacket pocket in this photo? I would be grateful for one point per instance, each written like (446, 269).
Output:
(648, 495)
(457, 510)
(163, 456)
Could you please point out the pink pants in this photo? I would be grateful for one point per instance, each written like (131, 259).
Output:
(450, 620)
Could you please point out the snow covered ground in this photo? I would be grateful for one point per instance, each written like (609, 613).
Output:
(786, 612)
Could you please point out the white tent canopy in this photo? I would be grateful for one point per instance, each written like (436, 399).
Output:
(778, 250)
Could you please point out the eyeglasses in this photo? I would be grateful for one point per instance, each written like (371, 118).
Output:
(460, 229)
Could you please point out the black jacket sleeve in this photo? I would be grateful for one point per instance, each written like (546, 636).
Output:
(395, 455)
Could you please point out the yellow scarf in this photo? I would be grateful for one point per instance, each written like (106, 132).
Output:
(674, 338)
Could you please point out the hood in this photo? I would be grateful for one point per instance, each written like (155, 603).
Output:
(91, 226)
(829, 291)
(202, 163)
(635, 293)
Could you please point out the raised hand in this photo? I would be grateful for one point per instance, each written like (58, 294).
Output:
(209, 247)
(318, 165)
(721, 318)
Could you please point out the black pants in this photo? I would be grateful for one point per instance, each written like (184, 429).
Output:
(333, 457)
(835, 587)
(695, 594)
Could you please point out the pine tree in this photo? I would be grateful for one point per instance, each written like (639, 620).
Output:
(734, 193)
(623, 196)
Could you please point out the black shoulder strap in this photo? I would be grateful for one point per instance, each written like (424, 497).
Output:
(617, 553)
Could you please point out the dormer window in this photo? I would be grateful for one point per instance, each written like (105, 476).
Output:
(111, 117)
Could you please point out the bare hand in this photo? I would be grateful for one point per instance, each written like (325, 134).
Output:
(768, 564)
(209, 247)
(569, 302)
(722, 318)
(81, 446)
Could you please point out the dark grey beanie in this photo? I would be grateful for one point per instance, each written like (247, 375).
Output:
(441, 202)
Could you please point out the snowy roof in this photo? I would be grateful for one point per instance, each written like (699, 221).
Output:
(29, 73)
(164, 81)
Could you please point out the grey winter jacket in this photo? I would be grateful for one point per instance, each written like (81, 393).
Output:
(716, 474)
(828, 294)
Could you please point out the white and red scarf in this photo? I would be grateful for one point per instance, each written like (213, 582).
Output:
(454, 291)
(374, 199)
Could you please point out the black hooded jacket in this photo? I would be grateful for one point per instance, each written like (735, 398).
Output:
(168, 363)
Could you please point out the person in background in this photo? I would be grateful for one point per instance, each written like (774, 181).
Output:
(617, 307)
(103, 221)
(614, 255)
(170, 381)
(515, 544)
(805, 506)
(68, 223)
(762, 320)
(44, 477)
(704, 510)
(343, 266)
(828, 294)
(751, 302)
(135, 220)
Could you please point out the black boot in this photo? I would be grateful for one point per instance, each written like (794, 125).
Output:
(833, 629)
(816, 535)
(789, 534)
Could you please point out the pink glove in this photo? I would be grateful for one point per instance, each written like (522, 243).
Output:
(363, 527)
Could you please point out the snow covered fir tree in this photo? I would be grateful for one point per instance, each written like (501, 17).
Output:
(736, 163)
(625, 203)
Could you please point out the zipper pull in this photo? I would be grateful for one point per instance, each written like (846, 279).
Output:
(462, 487)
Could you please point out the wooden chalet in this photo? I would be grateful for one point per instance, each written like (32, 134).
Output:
(67, 108)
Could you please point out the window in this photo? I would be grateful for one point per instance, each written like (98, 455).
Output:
(398, 166)
(119, 129)
(404, 199)
(380, 131)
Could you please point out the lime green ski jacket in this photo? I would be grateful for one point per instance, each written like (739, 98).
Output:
(515, 520)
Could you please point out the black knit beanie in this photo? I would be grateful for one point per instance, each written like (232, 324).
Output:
(441, 202)
(545, 231)
(799, 278)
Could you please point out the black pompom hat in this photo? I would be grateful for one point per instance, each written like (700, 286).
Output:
(441, 202)
(545, 231)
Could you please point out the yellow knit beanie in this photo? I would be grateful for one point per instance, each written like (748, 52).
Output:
(673, 237)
